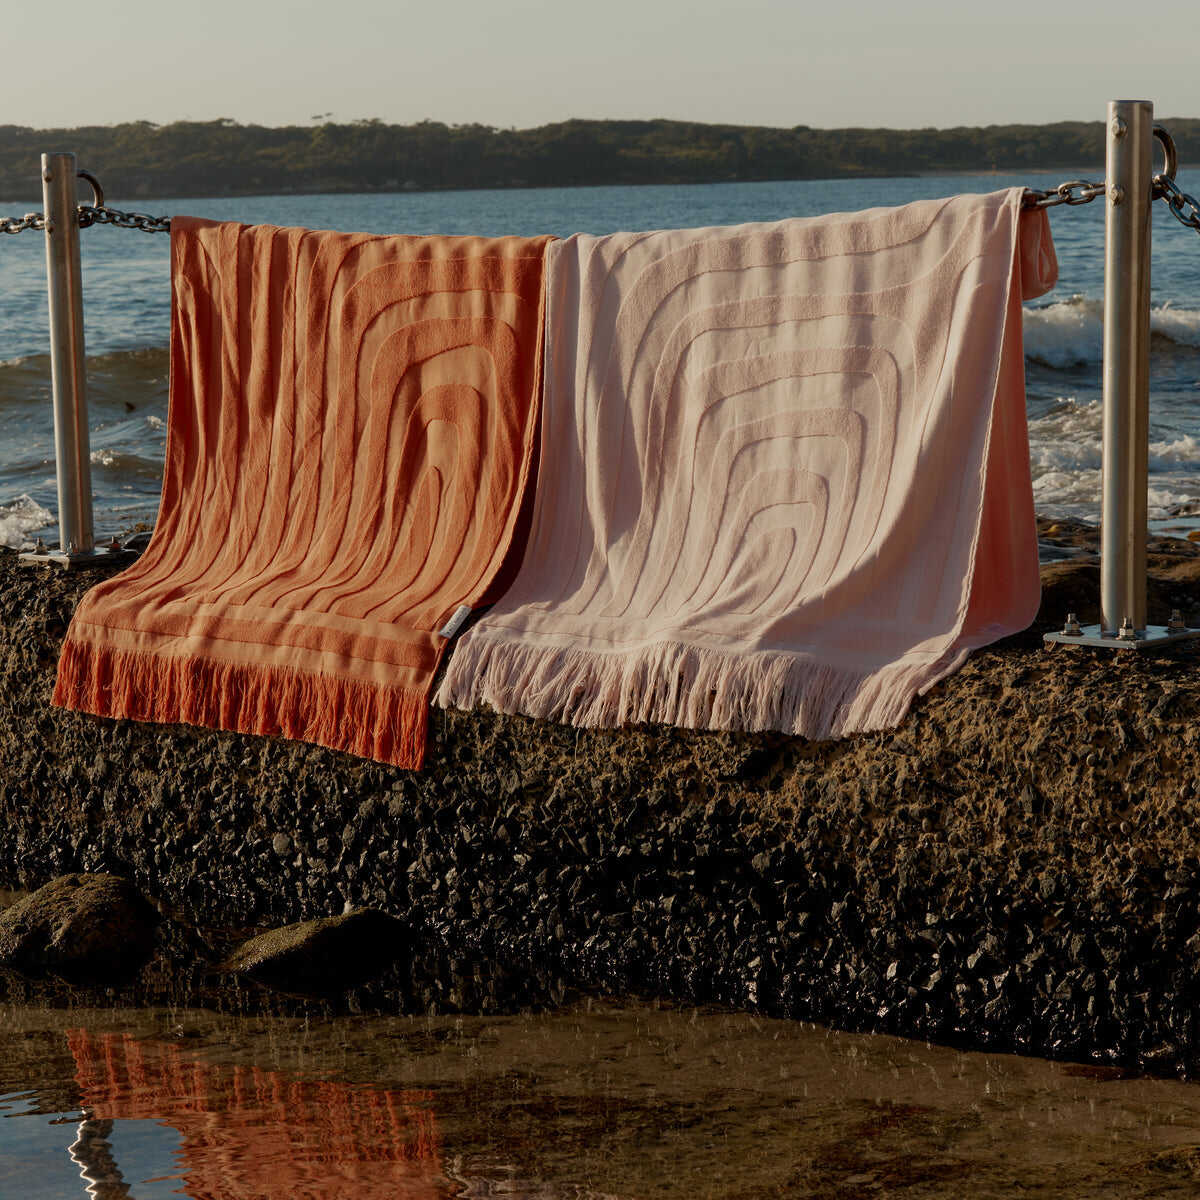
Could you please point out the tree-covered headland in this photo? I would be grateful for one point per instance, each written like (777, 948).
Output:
(206, 158)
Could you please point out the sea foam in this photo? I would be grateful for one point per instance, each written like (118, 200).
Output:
(1070, 333)
(1065, 455)
(19, 517)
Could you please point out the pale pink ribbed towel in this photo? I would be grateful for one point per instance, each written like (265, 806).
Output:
(784, 477)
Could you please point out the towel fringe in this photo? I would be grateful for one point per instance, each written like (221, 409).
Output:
(385, 723)
(685, 685)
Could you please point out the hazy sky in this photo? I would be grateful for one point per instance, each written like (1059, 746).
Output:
(526, 62)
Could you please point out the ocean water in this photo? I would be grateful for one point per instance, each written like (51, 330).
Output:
(127, 302)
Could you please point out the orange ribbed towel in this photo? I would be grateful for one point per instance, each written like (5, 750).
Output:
(352, 421)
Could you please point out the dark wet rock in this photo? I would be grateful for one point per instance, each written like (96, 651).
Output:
(327, 955)
(1182, 1161)
(89, 926)
(1048, 552)
(1070, 586)
(1014, 866)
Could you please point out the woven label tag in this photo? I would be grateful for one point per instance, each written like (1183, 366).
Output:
(452, 626)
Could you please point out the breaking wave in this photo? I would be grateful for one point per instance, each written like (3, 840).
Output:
(1065, 454)
(19, 517)
(1070, 333)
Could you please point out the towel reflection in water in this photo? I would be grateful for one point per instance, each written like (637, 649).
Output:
(252, 1133)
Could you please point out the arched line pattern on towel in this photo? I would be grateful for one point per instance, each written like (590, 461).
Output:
(397, 375)
(646, 284)
(350, 437)
(767, 449)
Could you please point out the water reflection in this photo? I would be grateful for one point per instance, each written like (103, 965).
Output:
(249, 1132)
(91, 1152)
(583, 1104)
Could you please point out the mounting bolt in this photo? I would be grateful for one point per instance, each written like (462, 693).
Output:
(114, 544)
(1116, 193)
(1127, 633)
(1117, 128)
(1071, 626)
(1176, 623)
(39, 547)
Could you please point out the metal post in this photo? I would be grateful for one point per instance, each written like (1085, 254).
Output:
(68, 371)
(1126, 365)
(1126, 377)
(64, 281)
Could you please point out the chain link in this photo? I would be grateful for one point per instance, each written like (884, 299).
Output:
(1186, 208)
(1074, 191)
(20, 224)
(90, 214)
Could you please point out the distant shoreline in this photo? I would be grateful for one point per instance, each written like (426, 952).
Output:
(140, 162)
(118, 201)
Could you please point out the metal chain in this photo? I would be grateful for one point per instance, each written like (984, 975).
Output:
(1075, 191)
(90, 214)
(20, 224)
(1178, 201)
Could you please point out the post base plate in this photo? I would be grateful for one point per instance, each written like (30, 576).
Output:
(101, 556)
(1153, 637)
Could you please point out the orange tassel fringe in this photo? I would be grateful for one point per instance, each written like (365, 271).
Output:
(384, 723)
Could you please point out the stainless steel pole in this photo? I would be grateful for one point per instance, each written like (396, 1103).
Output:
(1126, 365)
(67, 365)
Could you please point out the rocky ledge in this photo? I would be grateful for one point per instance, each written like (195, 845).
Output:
(1017, 865)
(80, 927)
